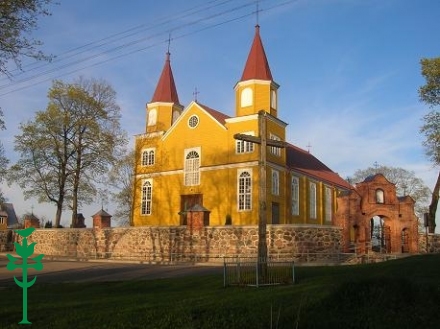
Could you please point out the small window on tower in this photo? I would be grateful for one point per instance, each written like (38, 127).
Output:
(152, 117)
(246, 97)
(176, 114)
(273, 99)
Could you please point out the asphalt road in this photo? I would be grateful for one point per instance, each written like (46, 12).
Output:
(91, 271)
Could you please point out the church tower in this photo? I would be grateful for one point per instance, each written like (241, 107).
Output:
(256, 89)
(164, 107)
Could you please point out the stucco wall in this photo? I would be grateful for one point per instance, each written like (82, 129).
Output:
(164, 244)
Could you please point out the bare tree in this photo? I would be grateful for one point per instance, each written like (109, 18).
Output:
(3, 160)
(430, 94)
(18, 18)
(406, 184)
(121, 180)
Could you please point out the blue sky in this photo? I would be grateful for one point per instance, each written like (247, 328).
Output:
(348, 69)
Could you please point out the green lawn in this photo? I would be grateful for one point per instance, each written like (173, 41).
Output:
(402, 293)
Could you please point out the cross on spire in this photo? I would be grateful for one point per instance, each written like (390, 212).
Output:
(195, 93)
(308, 147)
(169, 42)
(257, 12)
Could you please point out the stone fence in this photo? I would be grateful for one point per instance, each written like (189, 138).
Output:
(167, 244)
(429, 243)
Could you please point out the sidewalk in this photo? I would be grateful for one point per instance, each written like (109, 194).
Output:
(56, 271)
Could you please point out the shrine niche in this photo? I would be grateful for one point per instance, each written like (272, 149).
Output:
(375, 219)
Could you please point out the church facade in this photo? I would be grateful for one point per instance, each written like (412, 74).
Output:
(189, 157)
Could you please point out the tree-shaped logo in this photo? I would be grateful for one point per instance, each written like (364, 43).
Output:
(25, 251)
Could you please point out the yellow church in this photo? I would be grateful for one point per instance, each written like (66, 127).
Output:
(190, 157)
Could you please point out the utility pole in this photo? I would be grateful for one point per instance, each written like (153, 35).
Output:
(262, 199)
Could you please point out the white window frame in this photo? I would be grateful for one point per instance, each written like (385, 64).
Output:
(380, 196)
(275, 150)
(148, 157)
(152, 117)
(295, 195)
(193, 121)
(244, 189)
(312, 200)
(328, 203)
(242, 147)
(191, 167)
(246, 97)
(273, 99)
(275, 182)
(147, 197)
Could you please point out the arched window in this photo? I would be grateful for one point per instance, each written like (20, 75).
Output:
(244, 191)
(152, 117)
(148, 157)
(192, 168)
(295, 196)
(379, 196)
(246, 97)
(147, 197)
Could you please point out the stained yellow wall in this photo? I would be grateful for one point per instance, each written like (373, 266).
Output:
(219, 167)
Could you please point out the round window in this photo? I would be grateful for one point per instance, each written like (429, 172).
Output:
(193, 121)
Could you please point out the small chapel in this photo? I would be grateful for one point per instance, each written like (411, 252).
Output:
(189, 158)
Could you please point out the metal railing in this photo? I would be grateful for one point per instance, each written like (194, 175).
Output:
(250, 272)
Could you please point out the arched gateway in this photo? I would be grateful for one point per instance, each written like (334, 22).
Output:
(374, 218)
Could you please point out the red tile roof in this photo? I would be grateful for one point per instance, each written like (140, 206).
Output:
(219, 116)
(257, 66)
(305, 163)
(166, 90)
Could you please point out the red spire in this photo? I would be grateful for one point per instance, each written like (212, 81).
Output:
(257, 66)
(166, 88)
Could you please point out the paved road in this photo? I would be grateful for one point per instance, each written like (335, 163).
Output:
(90, 271)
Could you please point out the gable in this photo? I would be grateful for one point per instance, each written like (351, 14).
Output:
(208, 118)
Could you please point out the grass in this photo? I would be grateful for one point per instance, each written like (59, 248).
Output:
(402, 293)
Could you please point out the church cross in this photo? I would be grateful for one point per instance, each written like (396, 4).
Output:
(195, 93)
(262, 216)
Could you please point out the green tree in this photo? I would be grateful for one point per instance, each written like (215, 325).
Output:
(121, 180)
(406, 184)
(430, 94)
(96, 137)
(67, 148)
(18, 18)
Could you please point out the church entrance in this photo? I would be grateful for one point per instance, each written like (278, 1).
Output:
(186, 202)
(380, 235)
(275, 213)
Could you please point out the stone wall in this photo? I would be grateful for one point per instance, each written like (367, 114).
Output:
(433, 245)
(165, 244)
